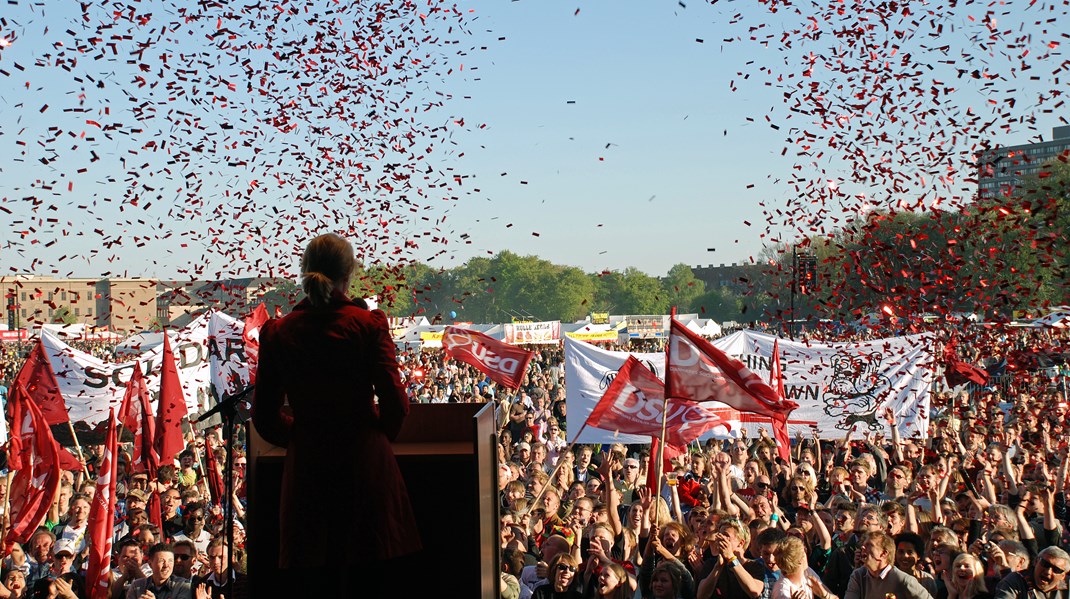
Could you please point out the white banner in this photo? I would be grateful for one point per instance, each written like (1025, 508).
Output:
(588, 372)
(837, 386)
(533, 332)
(840, 386)
(210, 355)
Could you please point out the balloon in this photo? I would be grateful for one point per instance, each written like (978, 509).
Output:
(453, 314)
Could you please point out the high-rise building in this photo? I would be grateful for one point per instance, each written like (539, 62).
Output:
(1002, 170)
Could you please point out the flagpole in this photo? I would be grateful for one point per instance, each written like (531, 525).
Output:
(553, 473)
(7, 507)
(78, 446)
(659, 468)
(202, 477)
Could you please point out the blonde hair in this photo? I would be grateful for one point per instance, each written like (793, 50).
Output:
(790, 555)
(976, 585)
(328, 260)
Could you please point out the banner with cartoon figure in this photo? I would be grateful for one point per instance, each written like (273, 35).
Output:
(840, 386)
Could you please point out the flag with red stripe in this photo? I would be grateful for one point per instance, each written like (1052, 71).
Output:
(102, 518)
(170, 410)
(698, 371)
(37, 478)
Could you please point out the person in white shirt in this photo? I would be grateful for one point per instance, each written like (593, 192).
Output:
(797, 580)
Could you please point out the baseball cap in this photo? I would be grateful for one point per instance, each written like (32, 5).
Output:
(64, 546)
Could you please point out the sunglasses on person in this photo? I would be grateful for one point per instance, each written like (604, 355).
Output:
(1047, 564)
(761, 485)
(181, 557)
(566, 568)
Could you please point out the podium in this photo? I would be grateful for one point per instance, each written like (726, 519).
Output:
(448, 456)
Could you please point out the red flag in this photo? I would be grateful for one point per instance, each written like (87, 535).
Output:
(215, 482)
(40, 383)
(780, 424)
(503, 363)
(102, 518)
(635, 402)
(37, 479)
(135, 414)
(698, 371)
(671, 451)
(170, 409)
(957, 372)
(251, 336)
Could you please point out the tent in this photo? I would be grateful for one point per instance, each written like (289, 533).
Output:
(704, 326)
(1058, 318)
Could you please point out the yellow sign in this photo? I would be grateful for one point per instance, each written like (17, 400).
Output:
(599, 317)
(599, 336)
(431, 336)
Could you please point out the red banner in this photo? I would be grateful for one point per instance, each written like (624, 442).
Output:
(39, 382)
(38, 467)
(698, 371)
(635, 402)
(503, 363)
(11, 336)
(135, 414)
(102, 519)
(170, 410)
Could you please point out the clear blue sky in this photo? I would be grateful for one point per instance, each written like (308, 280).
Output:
(612, 138)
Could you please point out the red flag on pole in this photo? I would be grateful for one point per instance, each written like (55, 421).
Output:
(37, 478)
(170, 409)
(136, 416)
(215, 482)
(503, 363)
(671, 451)
(634, 403)
(102, 518)
(251, 336)
(39, 382)
(698, 371)
(780, 424)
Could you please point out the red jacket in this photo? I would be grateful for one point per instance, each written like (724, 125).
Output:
(329, 363)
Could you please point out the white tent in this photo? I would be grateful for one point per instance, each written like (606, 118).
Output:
(704, 326)
(1058, 318)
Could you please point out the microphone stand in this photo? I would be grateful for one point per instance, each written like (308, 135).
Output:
(227, 408)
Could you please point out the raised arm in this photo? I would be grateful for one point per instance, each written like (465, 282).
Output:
(605, 469)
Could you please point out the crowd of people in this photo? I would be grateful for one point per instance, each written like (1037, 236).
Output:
(977, 509)
(181, 553)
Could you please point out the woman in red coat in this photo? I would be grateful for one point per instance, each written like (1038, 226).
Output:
(344, 502)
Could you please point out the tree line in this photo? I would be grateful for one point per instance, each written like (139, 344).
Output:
(994, 256)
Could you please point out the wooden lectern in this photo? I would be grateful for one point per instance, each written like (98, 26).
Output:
(448, 456)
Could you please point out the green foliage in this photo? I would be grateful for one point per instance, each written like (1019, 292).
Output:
(629, 292)
(998, 255)
(63, 315)
(720, 304)
(681, 288)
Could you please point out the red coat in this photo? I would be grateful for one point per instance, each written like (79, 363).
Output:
(343, 498)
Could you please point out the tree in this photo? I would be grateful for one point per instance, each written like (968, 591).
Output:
(63, 315)
(629, 292)
(681, 288)
(720, 304)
